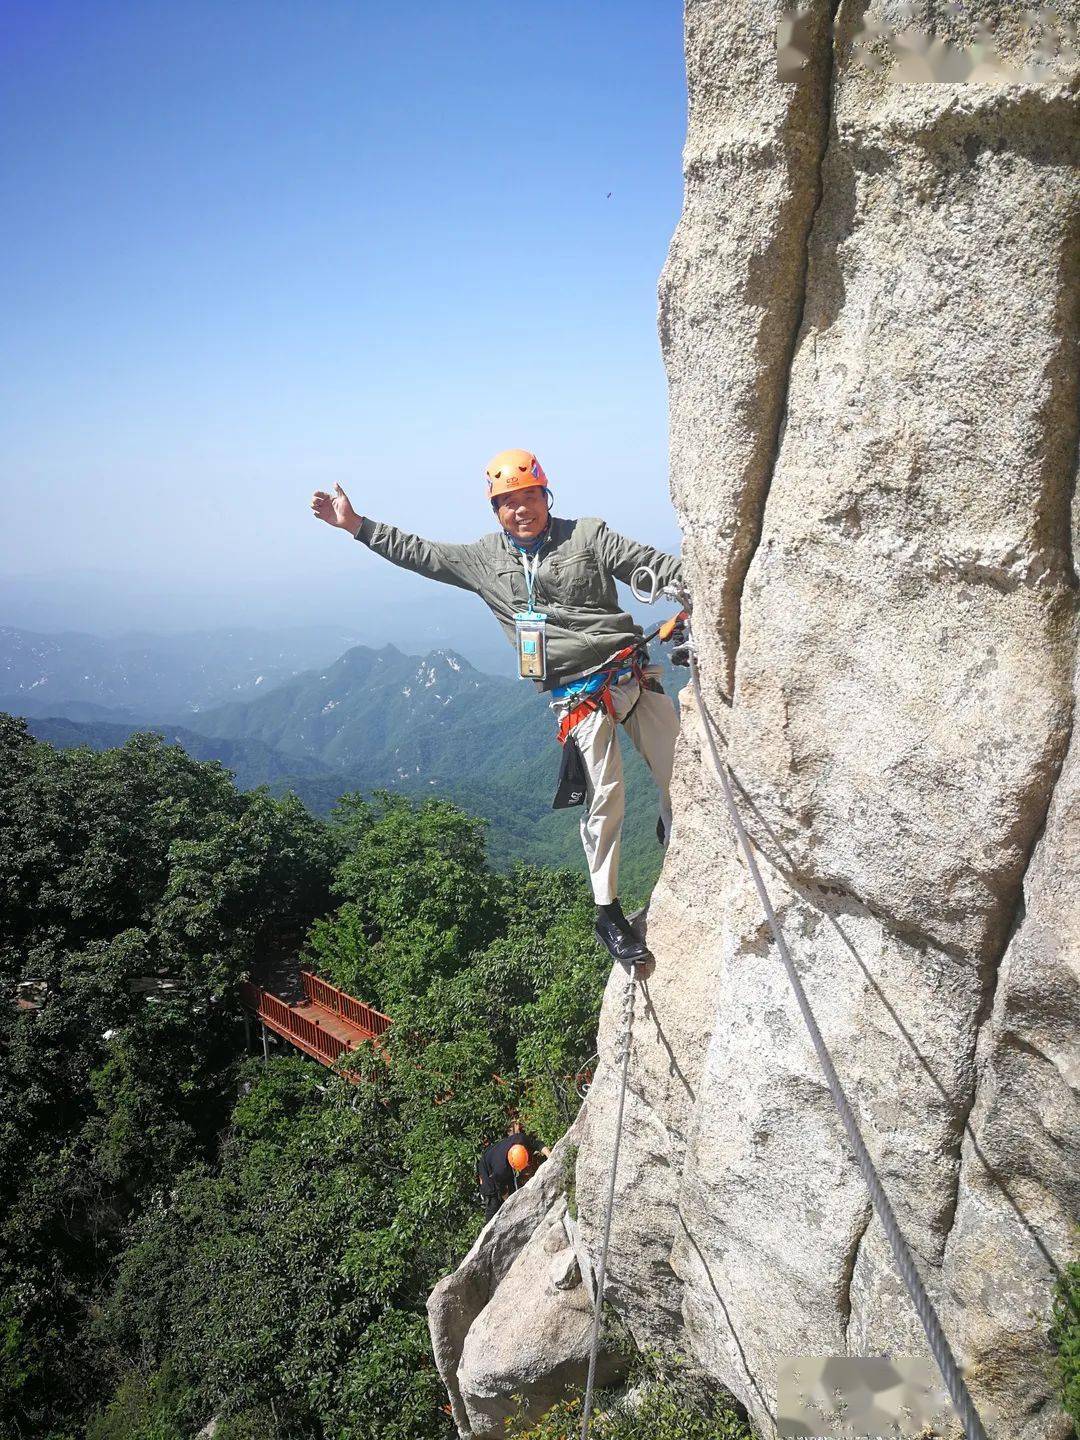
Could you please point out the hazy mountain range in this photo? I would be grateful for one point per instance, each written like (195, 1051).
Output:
(366, 719)
(361, 601)
(142, 676)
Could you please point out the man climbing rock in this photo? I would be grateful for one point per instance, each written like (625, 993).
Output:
(551, 585)
(500, 1170)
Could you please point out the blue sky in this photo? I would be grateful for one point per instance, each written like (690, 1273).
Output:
(254, 248)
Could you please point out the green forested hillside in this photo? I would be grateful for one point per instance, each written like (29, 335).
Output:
(183, 1232)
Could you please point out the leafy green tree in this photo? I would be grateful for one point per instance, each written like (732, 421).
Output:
(137, 885)
(142, 1410)
(421, 897)
(93, 844)
(1065, 1337)
(290, 1276)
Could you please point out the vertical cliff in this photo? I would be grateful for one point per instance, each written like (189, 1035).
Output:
(869, 317)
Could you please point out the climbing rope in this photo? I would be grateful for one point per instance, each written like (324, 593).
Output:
(939, 1345)
(622, 1059)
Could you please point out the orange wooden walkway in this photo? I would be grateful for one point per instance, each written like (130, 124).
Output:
(325, 1024)
(328, 1022)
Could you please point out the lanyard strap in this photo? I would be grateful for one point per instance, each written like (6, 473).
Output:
(530, 574)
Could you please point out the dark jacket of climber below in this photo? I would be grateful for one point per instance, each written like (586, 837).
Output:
(575, 583)
(495, 1173)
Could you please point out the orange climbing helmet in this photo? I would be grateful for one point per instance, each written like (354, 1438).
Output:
(513, 470)
(517, 1155)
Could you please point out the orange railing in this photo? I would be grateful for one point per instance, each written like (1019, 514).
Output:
(370, 1024)
(321, 992)
(303, 1033)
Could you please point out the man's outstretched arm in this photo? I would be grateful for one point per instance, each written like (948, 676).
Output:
(622, 557)
(451, 564)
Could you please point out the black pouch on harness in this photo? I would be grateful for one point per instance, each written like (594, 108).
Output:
(573, 782)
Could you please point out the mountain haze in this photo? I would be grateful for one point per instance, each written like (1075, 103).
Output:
(370, 719)
(143, 676)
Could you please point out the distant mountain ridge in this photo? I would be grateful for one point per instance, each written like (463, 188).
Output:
(384, 717)
(380, 719)
(251, 761)
(140, 676)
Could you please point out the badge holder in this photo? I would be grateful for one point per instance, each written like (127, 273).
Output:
(531, 631)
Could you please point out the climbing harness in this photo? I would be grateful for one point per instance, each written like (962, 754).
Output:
(595, 690)
(939, 1345)
(622, 1060)
(592, 691)
(595, 686)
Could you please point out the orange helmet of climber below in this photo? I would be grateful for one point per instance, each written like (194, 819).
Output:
(518, 1157)
(513, 470)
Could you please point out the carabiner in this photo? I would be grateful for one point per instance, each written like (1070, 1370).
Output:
(650, 596)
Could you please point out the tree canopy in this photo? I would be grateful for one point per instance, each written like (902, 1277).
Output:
(186, 1230)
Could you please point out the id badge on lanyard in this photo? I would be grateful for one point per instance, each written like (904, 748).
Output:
(530, 629)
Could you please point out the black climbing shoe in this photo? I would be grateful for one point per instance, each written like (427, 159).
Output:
(661, 834)
(613, 930)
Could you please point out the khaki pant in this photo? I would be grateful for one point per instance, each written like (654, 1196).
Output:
(652, 724)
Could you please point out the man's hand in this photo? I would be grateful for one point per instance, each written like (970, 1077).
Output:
(335, 510)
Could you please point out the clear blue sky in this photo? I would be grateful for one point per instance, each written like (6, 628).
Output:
(254, 248)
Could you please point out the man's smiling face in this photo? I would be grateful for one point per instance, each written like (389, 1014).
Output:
(523, 513)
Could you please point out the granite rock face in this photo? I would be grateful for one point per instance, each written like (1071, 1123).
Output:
(901, 702)
(869, 317)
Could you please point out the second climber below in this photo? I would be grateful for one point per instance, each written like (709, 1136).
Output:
(551, 585)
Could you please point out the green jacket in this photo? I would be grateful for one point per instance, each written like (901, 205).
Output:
(575, 584)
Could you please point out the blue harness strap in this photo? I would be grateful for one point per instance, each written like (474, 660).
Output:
(592, 683)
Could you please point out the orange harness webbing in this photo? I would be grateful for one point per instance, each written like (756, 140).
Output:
(601, 700)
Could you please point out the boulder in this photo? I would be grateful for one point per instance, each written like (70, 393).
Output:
(528, 1348)
(510, 1327)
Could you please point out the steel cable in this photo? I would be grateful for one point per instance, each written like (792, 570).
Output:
(622, 1056)
(939, 1345)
